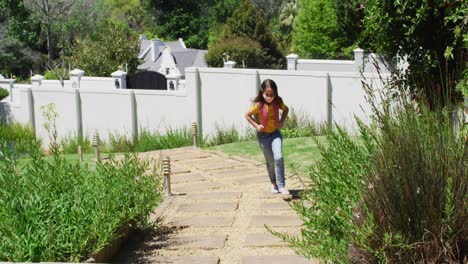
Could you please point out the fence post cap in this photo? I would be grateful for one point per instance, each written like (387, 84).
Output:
(37, 77)
(292, 56)
(77, 72)
(118, 73)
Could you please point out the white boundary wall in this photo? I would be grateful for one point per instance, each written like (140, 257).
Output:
(214, 96)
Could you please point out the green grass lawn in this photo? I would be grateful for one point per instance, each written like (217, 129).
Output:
(297, 152)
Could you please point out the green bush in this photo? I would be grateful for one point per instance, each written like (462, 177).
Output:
(300, 125)
(242, 50)
(120, 143)
(173, 138)
(54, 210)
(415, 207)
(50, 75)
(327, 204)
(3, 93)
(70, 145)
(19, 136)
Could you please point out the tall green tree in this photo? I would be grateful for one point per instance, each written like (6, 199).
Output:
(113, 47)
(21, 24)
(61, 20)
(187, 19)
(431, 36)
(247, 21)
(316, 33)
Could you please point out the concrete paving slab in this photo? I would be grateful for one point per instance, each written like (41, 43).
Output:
(196, 187)
(214, 195)
(187, 177)
(216, 165)
(275, 220)
(240, 171)
(275, 206)
(183, 260)
(252, 180)
(196, 242)
(263, 240)
(202, 221)
(208, 207)
(276, 260)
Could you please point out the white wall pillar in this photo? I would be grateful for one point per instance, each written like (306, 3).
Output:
(75, 78)
(230, 64)
(359, 59)
(8, 84)
(172, 82)
(292, 61)
(120, 79)
(36, 80)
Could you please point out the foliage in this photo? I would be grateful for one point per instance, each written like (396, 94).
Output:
(48, 207)
(245, 51)
(249, 22)
(16, 58)
(187, 19)
(286, 22)
(19, 136)
(316, 31)
(70, 144)
(219, 12)
(415, 206)
(22, 26)
(300, 125)
(430, 35)
(58, 210)
(62, 20)
(350, 22)
(223, 136)
(327, 205)
(3, 93)
(172, 138)
(110, 49)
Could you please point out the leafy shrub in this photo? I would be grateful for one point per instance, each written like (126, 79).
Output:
(120, 143)
(19, 136)
(300, 125)
(59, 210)
(223, 136)
(242, 50)
(327, 205)
(50, 75)
(70, 145)
(3, 93)
(415, 207)
(171, 139)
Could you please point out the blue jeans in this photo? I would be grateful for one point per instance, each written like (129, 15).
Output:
(271, 145)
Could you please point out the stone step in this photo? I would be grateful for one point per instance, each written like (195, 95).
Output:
(201, 221)
(276, 260)
(194, 242)
(263, 240)
(275, 206)
(195, 187)
(214, 195)
(208, 207)
(183, 260)
(275, 220)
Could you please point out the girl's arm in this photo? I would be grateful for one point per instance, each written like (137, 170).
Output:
(284, 115)
(249, 118)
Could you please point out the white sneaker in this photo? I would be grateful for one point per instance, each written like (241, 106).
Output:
(274, 189)
(283, 191)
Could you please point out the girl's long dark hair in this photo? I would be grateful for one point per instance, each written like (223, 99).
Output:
(268, 83)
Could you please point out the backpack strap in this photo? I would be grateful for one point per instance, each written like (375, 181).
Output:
(264, 108)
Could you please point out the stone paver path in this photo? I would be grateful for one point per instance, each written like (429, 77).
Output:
(217, 213)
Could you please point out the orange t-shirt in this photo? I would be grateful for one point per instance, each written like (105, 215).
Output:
(271, 124)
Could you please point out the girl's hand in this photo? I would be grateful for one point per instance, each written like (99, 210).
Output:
(260, 128)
